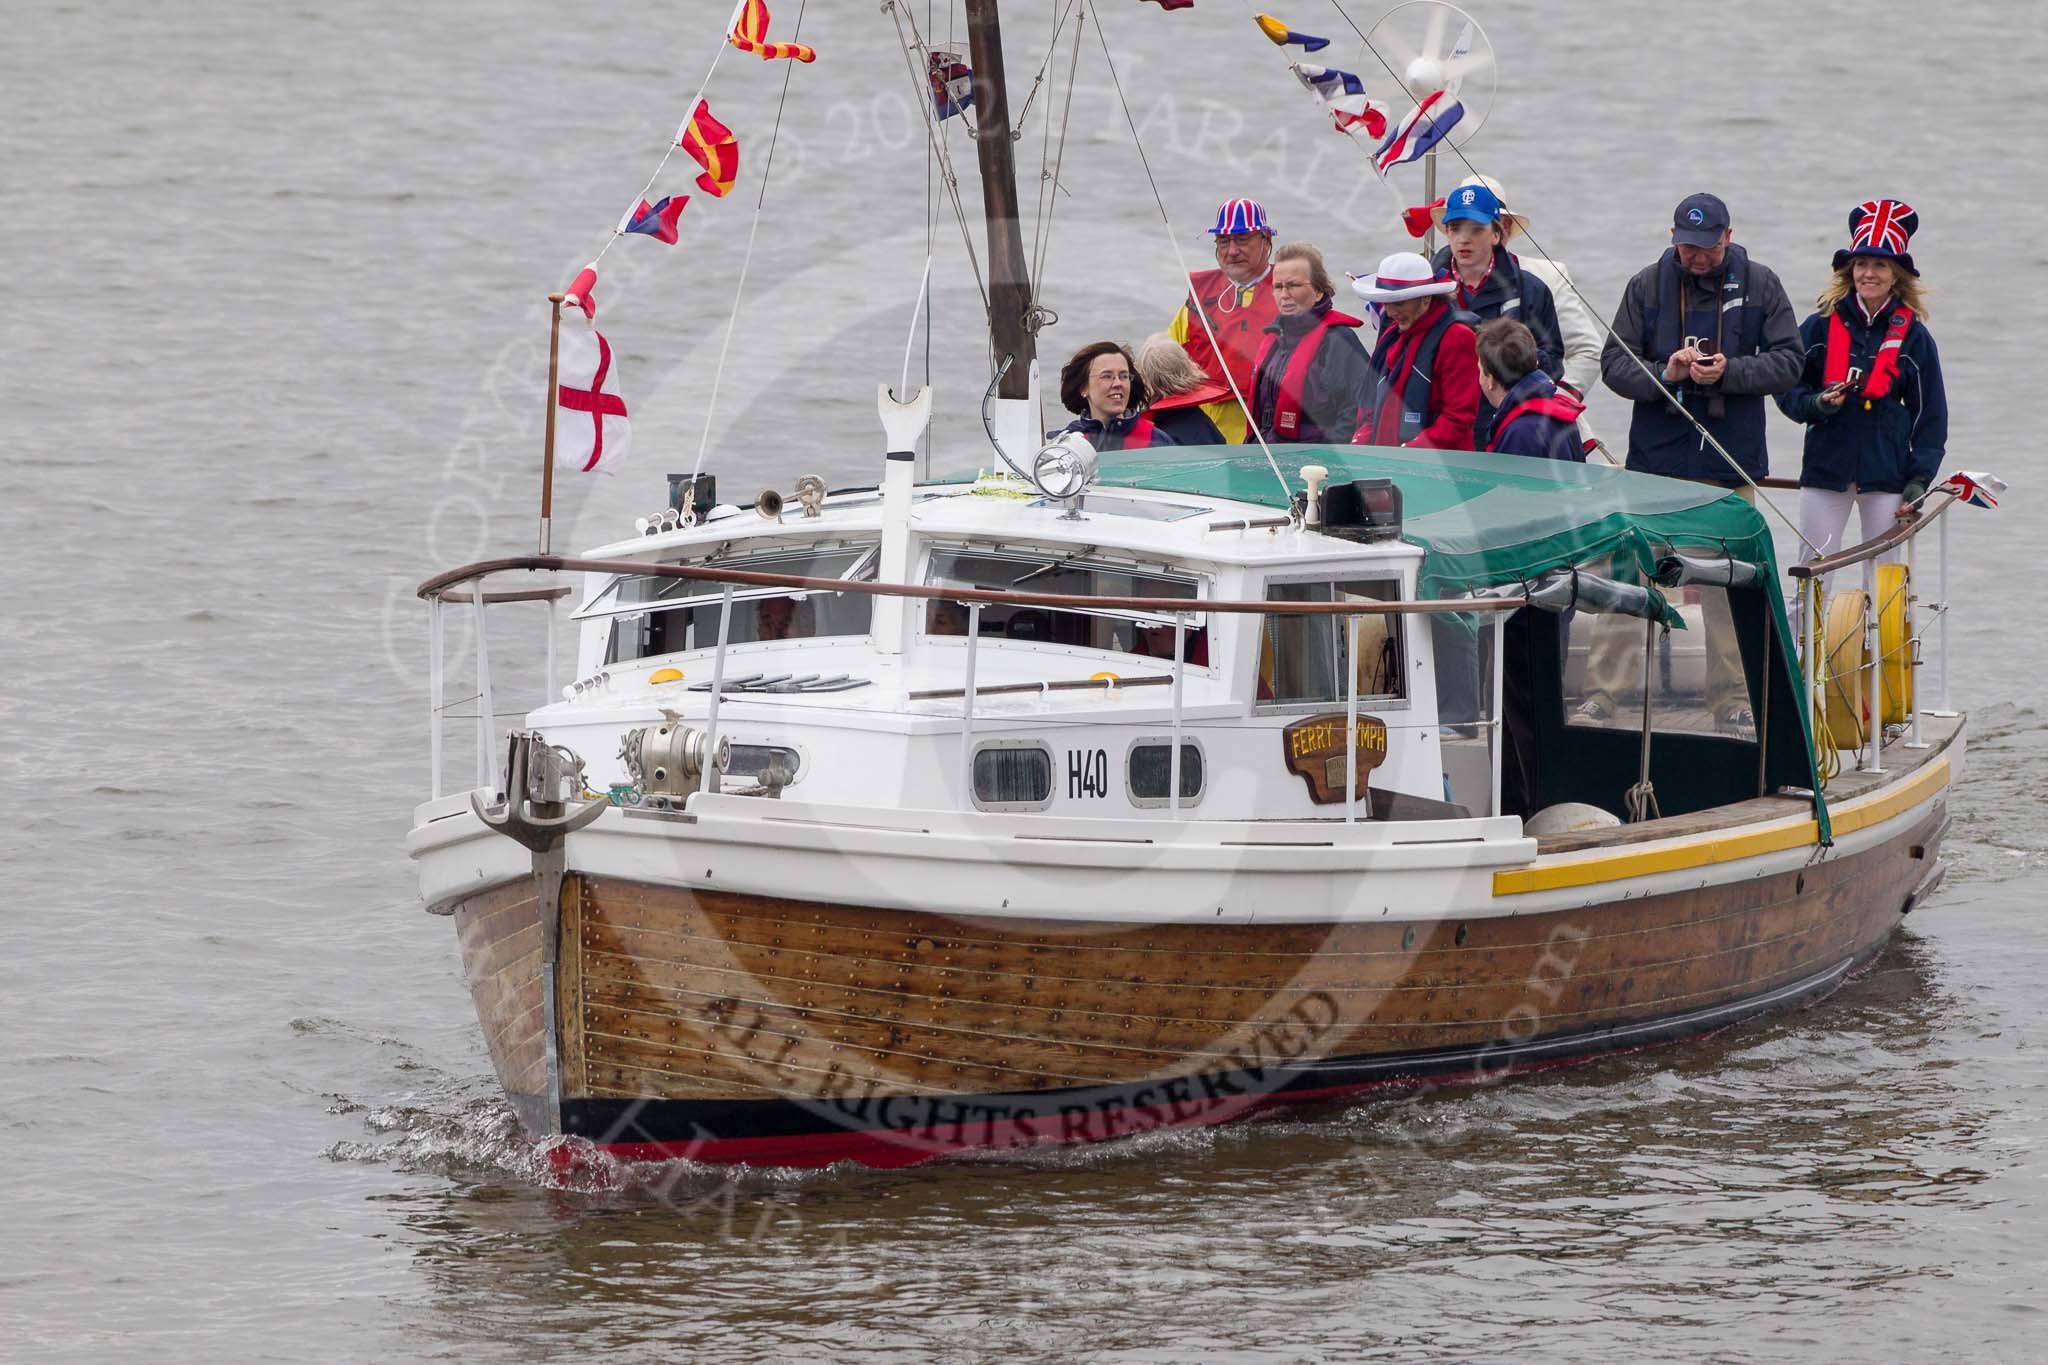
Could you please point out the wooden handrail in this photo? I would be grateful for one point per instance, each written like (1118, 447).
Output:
(440, 583)
(1900, 532)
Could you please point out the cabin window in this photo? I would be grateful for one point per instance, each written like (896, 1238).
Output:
(1303, 659)
(653, 616)
(1148, 772)
(1121, 630)
(1012, 775)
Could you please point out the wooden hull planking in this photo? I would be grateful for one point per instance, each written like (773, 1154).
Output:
(729, 1027)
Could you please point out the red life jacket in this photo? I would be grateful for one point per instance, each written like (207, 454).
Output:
(1885, 368)
(1294, 382)
(1139, 437)
(1555, 406)
(1240, 325)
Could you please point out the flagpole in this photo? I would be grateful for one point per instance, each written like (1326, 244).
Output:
(1429, 197)
(547, 478)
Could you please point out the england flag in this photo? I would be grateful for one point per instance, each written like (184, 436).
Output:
(590, 424)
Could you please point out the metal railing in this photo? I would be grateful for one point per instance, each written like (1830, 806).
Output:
(1812, 579)
(446, 587)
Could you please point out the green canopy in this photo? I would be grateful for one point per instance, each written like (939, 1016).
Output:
(1486, 520)
(1482, 520)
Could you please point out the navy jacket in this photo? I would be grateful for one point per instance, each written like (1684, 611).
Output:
(1744, 310)
(1188, 426)
(1899, 439)
(1533, 433)
(1111, 436)
(1509, 292)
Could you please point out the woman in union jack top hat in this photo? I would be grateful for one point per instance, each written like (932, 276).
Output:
(1236, 302)
(1871, 396)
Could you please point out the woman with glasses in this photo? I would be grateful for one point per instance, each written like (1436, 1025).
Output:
(1101, 384)
(1312, 368)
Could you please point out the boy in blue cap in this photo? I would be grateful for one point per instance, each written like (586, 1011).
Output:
(1492, 284)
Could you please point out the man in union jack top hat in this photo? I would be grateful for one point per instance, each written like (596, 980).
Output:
(1236, 301)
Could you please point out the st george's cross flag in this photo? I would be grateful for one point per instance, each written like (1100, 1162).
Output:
(590, 424)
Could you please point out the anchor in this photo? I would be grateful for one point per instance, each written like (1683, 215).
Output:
(534, 773)
(531, 815)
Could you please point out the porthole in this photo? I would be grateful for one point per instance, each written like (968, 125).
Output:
(1148, 772)
(1012, 775)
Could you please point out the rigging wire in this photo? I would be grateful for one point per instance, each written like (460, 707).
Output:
(1706, 437)
(1052, 46)
(1251, 425)
(746, 262)
(1049, 193)
(921, 95)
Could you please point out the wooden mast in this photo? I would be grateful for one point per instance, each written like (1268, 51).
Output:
(1009, 276)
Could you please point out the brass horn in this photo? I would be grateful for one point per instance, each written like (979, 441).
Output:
(769, 504)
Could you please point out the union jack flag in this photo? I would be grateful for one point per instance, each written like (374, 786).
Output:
(1978, 490)
(1883, 223)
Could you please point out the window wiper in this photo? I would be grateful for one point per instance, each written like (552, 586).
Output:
(1050, 566)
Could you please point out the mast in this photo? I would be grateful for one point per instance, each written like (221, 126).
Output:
(1009, 277)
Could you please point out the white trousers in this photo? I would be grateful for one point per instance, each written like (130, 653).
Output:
(1824, 520)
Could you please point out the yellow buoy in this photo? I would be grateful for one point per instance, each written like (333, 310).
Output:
(1848, 684)
(664, 675)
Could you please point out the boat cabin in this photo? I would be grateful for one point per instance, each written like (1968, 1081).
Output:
(1103, 640)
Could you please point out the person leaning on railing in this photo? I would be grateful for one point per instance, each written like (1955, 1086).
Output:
(1871, 396)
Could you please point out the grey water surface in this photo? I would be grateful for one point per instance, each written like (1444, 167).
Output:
(275, 346)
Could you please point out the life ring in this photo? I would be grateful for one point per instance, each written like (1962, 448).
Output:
(1847, 687)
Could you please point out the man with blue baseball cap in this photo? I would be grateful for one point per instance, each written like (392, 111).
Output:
(1492, 284)
(1236, 301)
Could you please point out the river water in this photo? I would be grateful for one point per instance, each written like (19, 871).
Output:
(277, 277)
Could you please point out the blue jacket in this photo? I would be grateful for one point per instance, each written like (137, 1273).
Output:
(1533, 433)
(1509, 292)
(1187, 426)
(1743, 309)
(1897, 440)
(1111, 436)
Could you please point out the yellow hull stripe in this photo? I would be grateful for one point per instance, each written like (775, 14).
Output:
(1702, 850)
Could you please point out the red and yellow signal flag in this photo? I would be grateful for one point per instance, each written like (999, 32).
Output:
(749, 33)
(715, 148)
